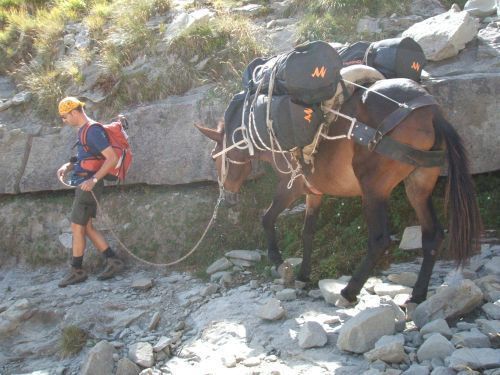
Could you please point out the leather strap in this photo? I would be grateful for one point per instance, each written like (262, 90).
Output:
(394, 118)
(363, 135)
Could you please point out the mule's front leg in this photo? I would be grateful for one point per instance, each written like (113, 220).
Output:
(282, 199)
(313, 203)
(376, 214)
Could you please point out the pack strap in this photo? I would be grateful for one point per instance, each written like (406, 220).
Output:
(83, 138)
(363, 135)
(394, 118)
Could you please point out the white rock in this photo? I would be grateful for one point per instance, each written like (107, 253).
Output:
(286, 295)
(66, 239)
(250, 255)
(221, 264)
(448, 302)
(330, 289)
(412, 238)
(437, 326)
(312, 335)
(444, 35)
(385, 289)
(360, 333)
(143, 283)
(388, 349)
(404, 278)
(480, 8)
(493, 266)
(272, 310)
(99, 360)
(436, 346)
(142, 354)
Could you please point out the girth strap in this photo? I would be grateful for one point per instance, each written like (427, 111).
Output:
(363, 135)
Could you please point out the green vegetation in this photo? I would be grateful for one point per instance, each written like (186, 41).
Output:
(336, 20)
(73, 339)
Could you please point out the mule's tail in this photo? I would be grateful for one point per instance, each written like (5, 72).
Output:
(465, 221)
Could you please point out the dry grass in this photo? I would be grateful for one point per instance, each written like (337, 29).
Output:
(73, 339)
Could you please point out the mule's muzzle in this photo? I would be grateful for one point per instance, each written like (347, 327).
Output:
(229, 198)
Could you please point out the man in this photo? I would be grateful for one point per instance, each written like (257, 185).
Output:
(87, 182)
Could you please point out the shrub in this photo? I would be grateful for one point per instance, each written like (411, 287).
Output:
(73, 339)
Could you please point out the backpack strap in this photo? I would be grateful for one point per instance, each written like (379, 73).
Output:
(83, 136)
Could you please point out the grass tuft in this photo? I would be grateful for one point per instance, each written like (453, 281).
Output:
(73, 339)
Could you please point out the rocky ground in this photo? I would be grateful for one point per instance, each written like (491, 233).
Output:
(157, 322)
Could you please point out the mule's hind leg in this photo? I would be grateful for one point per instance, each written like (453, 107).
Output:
(375, 210)
(419, 186)
(313, 203)
(283, 198)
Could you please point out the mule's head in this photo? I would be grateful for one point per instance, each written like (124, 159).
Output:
(233, 166)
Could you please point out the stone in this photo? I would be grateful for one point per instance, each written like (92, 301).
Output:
(272, 310)
(412, 238)
(361, 332)
(449, 302)
(184, 21)
(444, 35)
(66, 239)
(404, 278)
(473, 358)
(391, 290)
(153, 323)
(286, 295)
(249, 255)
(99, 360)
(389, 349)
(492, 310)
(493, 266)
(312, 335)
(219, 265)
(437, 326)
(142, 354)
(472, 339)
(14, 315)
(126, 367)
(436, 346)
(330, 289)
(490, 286)
(480, 8)
(143, 283)
(415, 369)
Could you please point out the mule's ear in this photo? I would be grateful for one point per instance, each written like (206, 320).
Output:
(213, 134)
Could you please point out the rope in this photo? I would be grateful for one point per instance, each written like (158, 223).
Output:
(129, 252)
(376, 92)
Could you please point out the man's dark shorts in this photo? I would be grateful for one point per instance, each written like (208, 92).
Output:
(84, 205)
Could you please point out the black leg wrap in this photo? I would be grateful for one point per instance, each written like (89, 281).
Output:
(347, 296)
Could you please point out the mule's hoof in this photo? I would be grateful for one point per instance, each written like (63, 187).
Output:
(343, 302)
(286, 272)
(409, 309)
(351, 299)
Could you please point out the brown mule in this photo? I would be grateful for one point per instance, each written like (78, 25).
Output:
(346, 169)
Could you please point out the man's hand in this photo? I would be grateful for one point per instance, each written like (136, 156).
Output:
(87, 185)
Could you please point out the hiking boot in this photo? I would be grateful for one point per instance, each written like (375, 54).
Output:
(74, 276)
(113, 266)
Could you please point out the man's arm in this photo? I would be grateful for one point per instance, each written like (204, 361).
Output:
(109, 163)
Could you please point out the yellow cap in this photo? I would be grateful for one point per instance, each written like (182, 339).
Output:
(68, 104)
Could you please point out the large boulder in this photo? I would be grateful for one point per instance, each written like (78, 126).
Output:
(444, 35)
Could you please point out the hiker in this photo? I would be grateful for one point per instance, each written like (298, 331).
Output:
(84, 205)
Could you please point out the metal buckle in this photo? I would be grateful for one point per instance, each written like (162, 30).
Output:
(372, 144)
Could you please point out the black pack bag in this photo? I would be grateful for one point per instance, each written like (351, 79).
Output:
(309, 73)
(397, 58)
(353, 53)
(294, 125)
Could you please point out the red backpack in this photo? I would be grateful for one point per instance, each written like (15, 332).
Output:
(118, 139)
